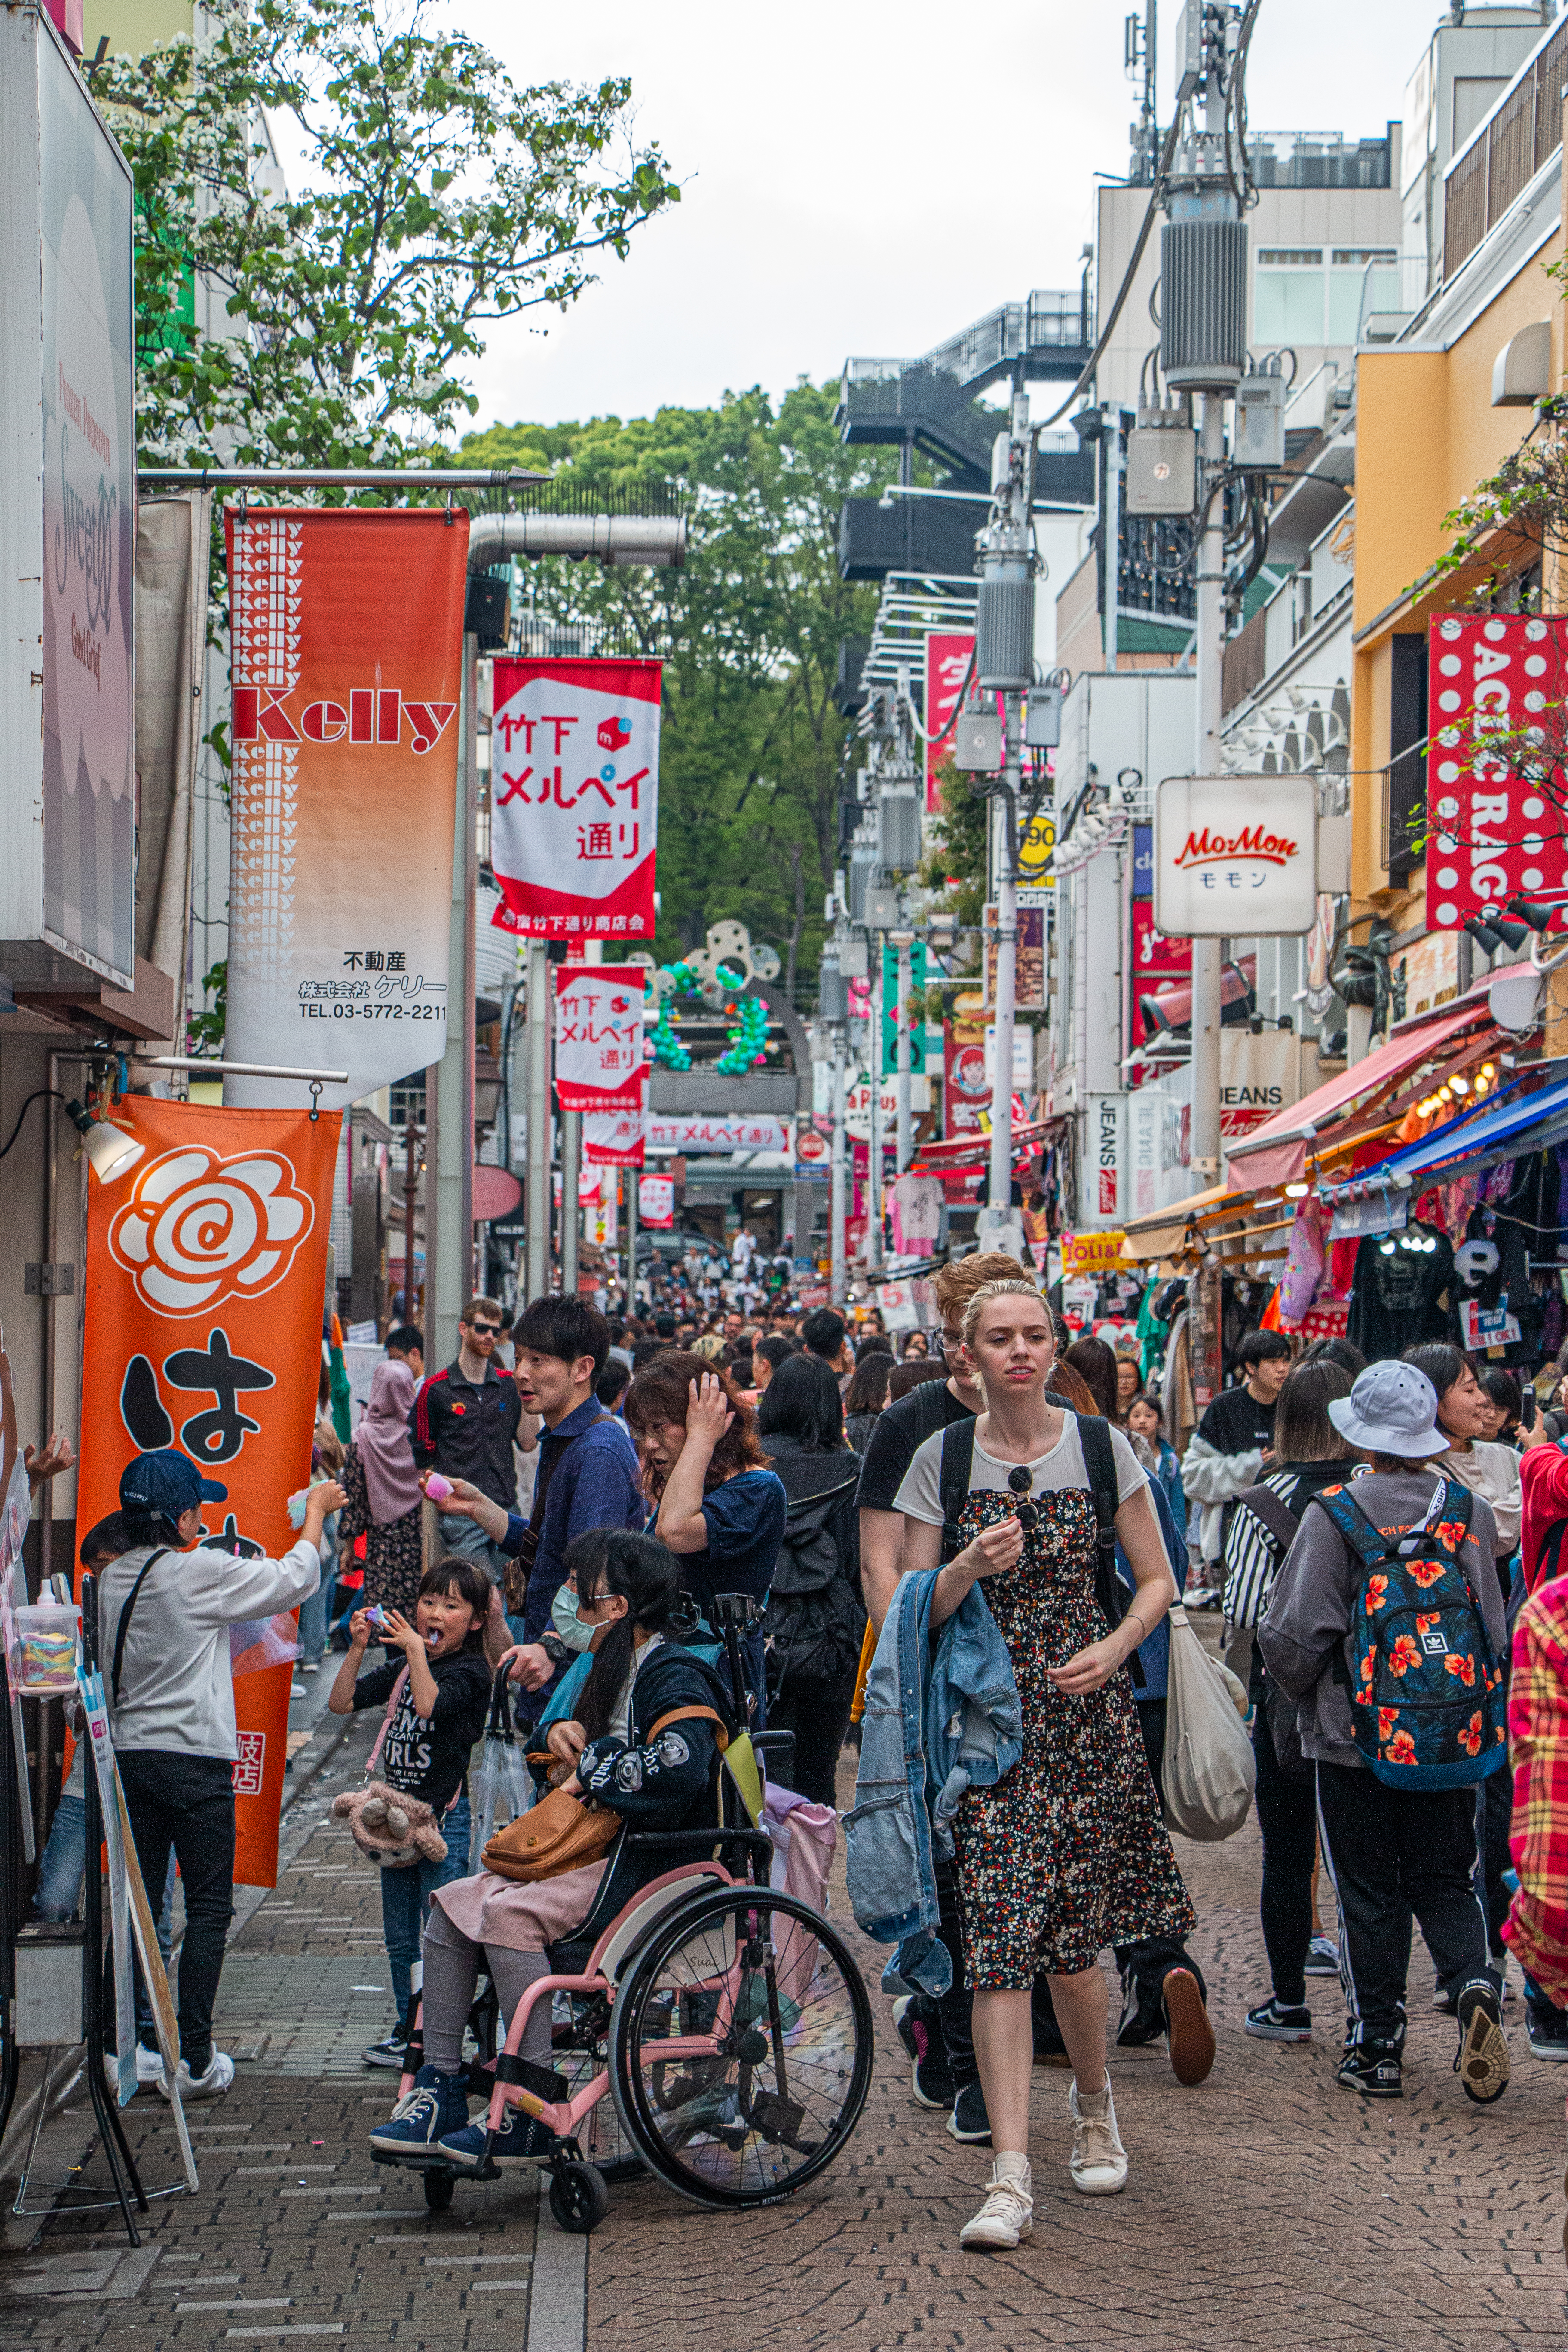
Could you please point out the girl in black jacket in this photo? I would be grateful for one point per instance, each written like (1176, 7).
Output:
(816, 1615)
(612, 1751)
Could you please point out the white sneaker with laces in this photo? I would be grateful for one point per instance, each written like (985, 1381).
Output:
(1098, 2162)
(210, 2085)
(1008, 2213)
(149, 2065)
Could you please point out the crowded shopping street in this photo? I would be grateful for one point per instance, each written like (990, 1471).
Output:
(783, 1177)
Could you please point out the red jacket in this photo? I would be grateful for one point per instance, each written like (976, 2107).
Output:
(1543, 1476)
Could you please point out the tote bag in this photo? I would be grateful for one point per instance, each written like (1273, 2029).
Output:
(1210, 1769)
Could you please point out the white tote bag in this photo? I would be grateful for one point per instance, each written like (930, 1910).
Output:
(1210, 1769)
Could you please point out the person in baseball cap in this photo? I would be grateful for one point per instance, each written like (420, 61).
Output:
(1389, 1851)
(165, 1484)
(165, 1607)
(1391, 1409)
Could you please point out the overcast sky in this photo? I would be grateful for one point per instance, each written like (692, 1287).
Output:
(864, 179)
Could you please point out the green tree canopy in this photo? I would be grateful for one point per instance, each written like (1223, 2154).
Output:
(436, 196)
(754, 751)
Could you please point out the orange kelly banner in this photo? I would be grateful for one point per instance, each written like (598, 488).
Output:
(206, 1273)
(346, 645)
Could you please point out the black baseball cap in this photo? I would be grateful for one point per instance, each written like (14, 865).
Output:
(165, 1483)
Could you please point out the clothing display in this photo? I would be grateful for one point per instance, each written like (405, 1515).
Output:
(1396, 1290)
(916, 1203)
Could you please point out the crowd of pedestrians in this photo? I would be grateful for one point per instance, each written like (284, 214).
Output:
(986, 1535)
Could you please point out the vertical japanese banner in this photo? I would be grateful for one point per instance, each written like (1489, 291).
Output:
(947, 666)
(599, 1063)
(1498, 700)
(347, 637)
(205, 1275)
(575, 797)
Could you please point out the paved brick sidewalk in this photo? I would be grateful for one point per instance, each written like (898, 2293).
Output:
(1266, 2209)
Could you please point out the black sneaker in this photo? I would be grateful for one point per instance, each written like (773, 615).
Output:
(1547, 2028)
(1371, 2068)
(919, 2024)
(1274, 2022)
(969, 2121)
(1323, 1958)
(392, 2052)
(1481, 2061)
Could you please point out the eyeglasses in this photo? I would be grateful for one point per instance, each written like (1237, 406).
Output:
(949, 1342)
(485, 1330)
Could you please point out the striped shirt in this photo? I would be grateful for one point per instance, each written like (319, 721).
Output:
(1253, 1553)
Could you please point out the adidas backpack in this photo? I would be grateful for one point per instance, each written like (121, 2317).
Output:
(1427, 1695)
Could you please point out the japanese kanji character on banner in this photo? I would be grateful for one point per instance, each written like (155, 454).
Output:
(203, 1331)
(575, 797)
(599, 1063)
(615, 1139)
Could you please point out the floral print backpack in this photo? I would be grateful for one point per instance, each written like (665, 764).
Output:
(1425, 1692)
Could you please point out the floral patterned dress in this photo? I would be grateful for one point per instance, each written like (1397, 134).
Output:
(392, 1553)
(1068, 1853)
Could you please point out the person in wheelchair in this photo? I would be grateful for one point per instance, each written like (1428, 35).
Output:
(646, 1741)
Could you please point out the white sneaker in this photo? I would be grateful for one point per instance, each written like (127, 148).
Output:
(149, 2065)
(210, 2085)
(1008, 2213)
(1099, 2164)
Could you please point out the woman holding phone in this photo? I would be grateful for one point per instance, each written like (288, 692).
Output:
(1066, 1854)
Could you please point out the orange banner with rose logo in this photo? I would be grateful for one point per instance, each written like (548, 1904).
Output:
(205, 1272)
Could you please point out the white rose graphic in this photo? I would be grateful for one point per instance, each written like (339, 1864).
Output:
(199, 1229)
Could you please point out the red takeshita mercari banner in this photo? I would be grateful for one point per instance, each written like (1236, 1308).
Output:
(599, 1061)
(947, 665)
(204, 1272)
(575, 797)
(1493, 831)
(615, 1139)
(347, 646)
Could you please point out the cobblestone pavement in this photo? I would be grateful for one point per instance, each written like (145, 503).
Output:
(1265, 2209)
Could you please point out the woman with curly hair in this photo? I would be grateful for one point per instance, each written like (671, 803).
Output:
(719, 1506)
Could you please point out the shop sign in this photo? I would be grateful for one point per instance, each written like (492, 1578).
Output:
(1492, 830)
(917, 1027)
(1097, 1253)
(966, 1089)
(1257, 1077)
(1022, 1057)
(699, 1133)
(1028, 959)
(947, 665)
(1104, 1158)
(1153, 1136)
(1080, 1300)
(614, 1139)
(347, 662)
(1154, 957)
(575, 797)
(1038, 852)
(1236, 855)
(1430, 970)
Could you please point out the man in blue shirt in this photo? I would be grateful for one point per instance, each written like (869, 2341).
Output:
(587, 1474)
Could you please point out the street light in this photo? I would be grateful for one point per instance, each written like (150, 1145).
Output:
(487, 1089)
(112, 1153)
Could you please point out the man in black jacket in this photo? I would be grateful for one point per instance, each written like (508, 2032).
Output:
(464, 1423)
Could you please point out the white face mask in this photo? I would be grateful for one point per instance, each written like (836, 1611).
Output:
(568, 1625)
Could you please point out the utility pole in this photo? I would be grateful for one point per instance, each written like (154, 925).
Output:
(410, 1187)
(1203, 353)
(902, 942)
(1005, 666)
(838, 1194)
(538, 1194)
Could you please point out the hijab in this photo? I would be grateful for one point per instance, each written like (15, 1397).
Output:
(385, 1451)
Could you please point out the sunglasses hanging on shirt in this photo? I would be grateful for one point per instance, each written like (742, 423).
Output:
(1026, 1513)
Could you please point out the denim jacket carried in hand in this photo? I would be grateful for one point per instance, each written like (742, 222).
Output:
(934, 1726)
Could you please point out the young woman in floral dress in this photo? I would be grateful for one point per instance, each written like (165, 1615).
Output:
(1066, 1854)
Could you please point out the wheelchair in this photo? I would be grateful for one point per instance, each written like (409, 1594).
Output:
(719, 2033)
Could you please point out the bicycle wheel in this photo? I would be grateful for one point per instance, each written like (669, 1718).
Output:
(741, 2047)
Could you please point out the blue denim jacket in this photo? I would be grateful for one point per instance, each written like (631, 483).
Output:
(933, 1728)
(1154, 1654)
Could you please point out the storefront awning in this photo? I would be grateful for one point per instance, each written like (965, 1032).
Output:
(1512, 1130)
(1275, 1152)
(1163, 1231)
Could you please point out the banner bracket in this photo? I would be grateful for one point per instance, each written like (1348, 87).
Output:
(315, 1100)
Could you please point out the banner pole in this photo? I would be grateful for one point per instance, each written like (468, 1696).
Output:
(538, 1194)
(571, 1207)
(633, 1177)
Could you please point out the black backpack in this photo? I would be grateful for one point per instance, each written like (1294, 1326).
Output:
(815, 1620)
(1098, 1461)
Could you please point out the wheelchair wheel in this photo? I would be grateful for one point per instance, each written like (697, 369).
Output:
(740, 2051)
(438, 2187)
(600, 2135)
(578, 2196)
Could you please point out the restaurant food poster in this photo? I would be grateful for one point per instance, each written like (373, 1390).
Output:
(1494, 828)
(205, 1274)
(347, 653)
(575, 797)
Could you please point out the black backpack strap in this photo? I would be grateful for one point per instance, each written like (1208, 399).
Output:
(1100, 1460)
(1273, 1513)
(957, 1463)
(124, 1624)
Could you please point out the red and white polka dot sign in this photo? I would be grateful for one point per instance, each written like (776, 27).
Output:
(1497, 705)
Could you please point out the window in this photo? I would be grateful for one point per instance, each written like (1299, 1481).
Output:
(1291, 257)
(1288, 296)
(1356, 258)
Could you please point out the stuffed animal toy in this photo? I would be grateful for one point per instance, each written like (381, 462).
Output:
(392, 1829)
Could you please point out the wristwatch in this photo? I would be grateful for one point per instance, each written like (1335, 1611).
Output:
(555, 1649)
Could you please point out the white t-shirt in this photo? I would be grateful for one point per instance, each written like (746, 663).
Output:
(920, 1494)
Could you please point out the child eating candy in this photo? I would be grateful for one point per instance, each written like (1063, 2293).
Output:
(439, 1695)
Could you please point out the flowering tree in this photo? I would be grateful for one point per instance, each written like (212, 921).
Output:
(434, 197)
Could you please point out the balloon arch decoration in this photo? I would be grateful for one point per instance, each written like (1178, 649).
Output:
(717, 974)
